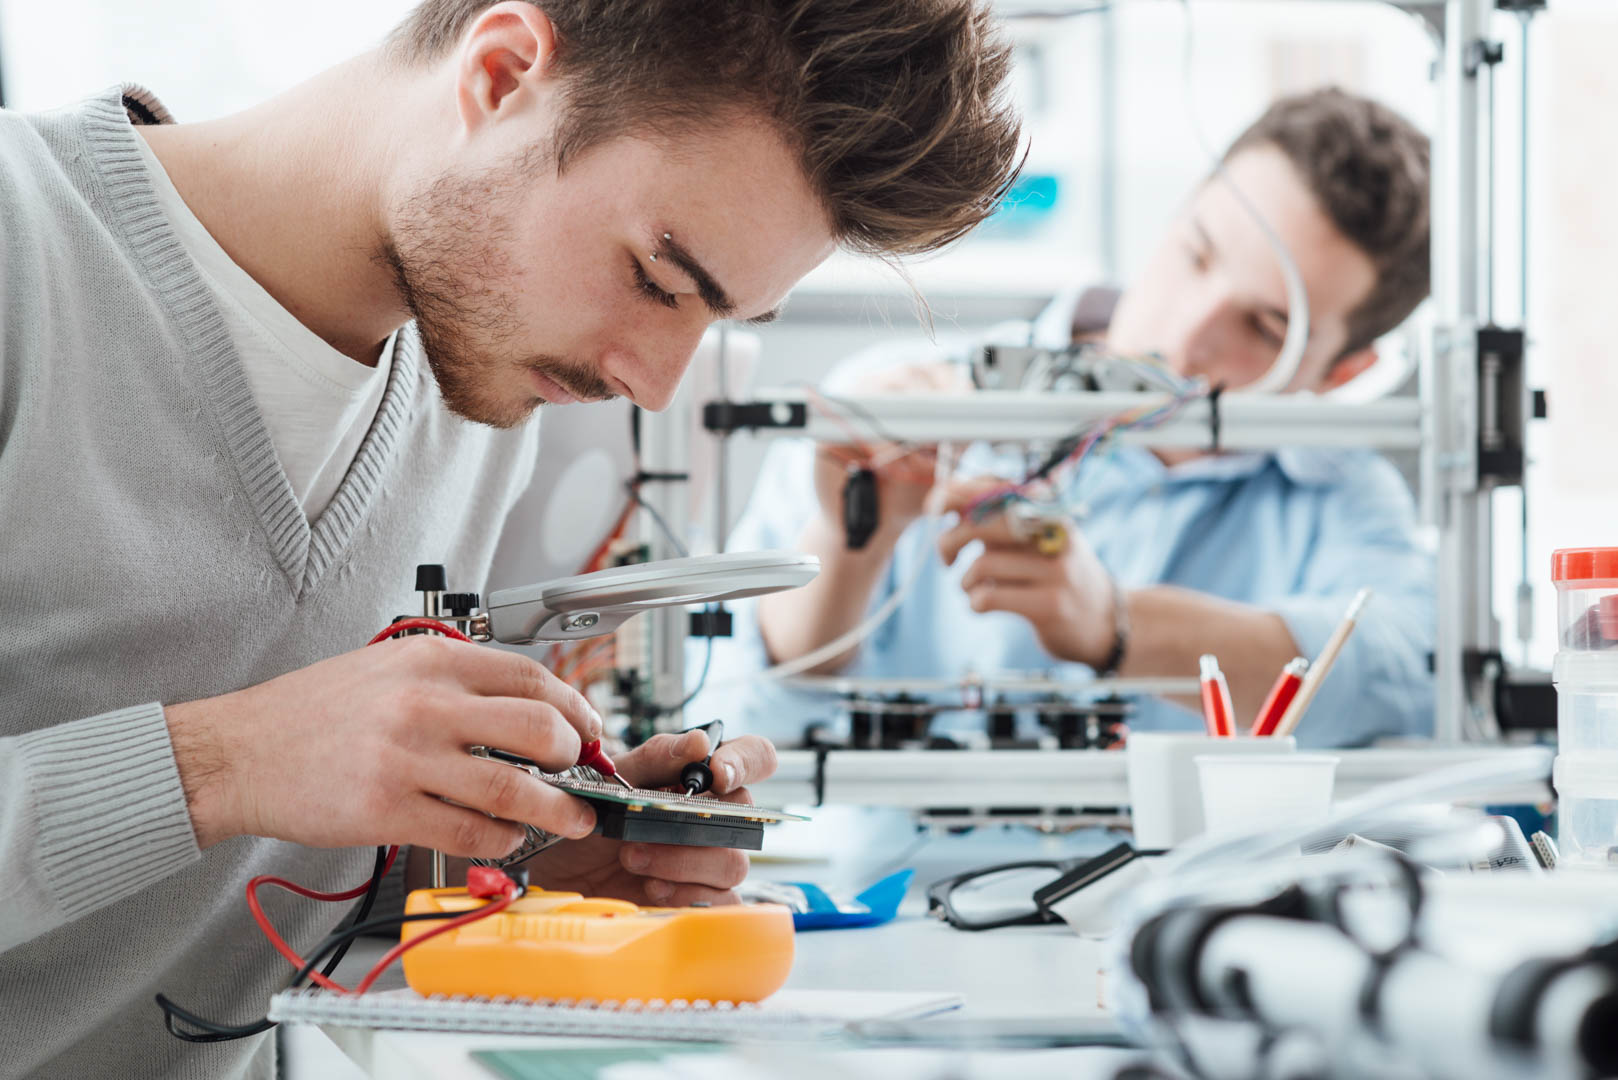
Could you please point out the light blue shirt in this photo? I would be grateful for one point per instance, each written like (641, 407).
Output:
(1296, 532)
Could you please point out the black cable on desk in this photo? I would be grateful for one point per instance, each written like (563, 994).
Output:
(211, 1032)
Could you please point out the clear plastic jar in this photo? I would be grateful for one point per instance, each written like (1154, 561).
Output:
(1586, 598)
(1586, 676)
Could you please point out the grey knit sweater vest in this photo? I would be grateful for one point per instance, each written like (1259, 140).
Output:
(151, 552)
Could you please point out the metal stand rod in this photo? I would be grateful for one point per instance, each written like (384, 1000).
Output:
(432, 607)
(666, 446)
(721, 490)
(1450, 464)
(1525, 586)
(1244, 421)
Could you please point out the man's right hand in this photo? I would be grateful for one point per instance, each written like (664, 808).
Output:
(903, 477)
(364, 748)
(797, 621)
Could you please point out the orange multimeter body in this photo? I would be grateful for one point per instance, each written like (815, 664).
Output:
(561, 945)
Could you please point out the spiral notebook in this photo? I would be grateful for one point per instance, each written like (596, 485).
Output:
(787, 1016)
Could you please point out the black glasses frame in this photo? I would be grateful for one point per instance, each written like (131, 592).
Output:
(941, 892)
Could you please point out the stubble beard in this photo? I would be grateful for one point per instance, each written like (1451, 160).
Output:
(447, 250)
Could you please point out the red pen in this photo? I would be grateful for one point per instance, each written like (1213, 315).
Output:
(591, 755)
(1217, 712)
(1281, 695)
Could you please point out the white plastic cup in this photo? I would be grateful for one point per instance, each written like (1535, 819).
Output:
(1164, 792)
(1253, 791)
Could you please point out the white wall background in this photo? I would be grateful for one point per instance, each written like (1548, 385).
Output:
(205, 59)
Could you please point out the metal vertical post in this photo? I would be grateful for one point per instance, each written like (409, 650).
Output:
(1450, 465)
(432, 606)
(1525, 586)
(721, 479)
(1108, 149)
(1525, 18)
(666, 450)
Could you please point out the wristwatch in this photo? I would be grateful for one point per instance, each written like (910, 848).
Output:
(1120, 631)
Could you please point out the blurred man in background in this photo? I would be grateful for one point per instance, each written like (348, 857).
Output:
(1250, 556)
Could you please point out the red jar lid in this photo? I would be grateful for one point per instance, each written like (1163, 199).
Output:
(1584, 564)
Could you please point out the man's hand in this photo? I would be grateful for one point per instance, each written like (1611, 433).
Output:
(797, 621)
(663, 875)
(1066, 596)
(362, 750)
(903, 477)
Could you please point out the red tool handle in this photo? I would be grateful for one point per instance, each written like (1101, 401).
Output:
(590, 754)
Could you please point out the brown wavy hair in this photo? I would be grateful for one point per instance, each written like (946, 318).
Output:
(1370, 171)
(897, 108)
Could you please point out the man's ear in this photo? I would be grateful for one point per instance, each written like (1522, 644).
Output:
(1347, 367)
(509, 48)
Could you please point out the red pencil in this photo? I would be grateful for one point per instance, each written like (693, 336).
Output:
(1217, 712)
(1281, 695)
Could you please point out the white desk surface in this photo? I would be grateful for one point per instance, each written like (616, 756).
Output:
(1036, 971)
(1017, 971)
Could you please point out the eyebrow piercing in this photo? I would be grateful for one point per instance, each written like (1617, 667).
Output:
(666, 236)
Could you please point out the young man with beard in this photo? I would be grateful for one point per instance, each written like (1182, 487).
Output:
(254, 370)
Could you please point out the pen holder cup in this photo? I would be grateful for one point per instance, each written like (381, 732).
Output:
(1165, 795)
(1241, 792)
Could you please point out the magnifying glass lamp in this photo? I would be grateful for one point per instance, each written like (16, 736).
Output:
(590, 605)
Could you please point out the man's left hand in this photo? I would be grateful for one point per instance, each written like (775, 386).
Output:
(663, 875)
(1066, 595)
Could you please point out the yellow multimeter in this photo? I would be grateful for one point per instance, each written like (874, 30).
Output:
(565, 946)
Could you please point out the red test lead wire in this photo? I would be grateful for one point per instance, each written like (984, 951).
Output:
(502, 895)
(1281, 695)
(419, 624)
(591, 755)
(498, 903)
(1217, 712)
(291, 886)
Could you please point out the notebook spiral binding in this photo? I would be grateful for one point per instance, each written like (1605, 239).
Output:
(677, 1020)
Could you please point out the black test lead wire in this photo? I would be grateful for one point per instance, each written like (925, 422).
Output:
(697, 777)
(339, 940)
(215, 1032)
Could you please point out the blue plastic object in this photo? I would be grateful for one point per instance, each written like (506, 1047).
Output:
(1026, 207)
(882, 899)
